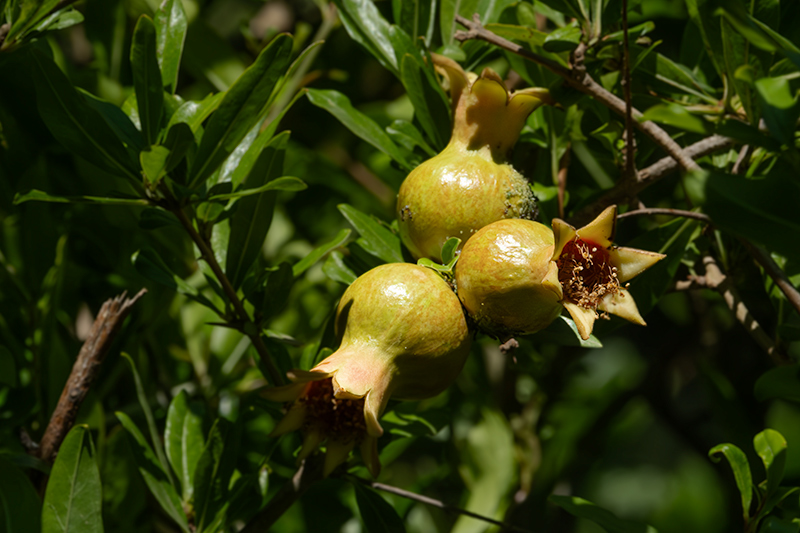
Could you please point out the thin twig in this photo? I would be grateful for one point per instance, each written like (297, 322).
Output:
(84, 371)
(248, 327)
(579, 79)
(309, 472)
(630, 148)
(718, 281)
(437, 503)
(667, 211)
(775, 272)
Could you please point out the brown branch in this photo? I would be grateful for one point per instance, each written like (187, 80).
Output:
(693, 283)
(437, 503)
(667, 211)
(579, 79)
(775, 272)
(84, 371)
(248, 327)
(718, 281)
(630, 148)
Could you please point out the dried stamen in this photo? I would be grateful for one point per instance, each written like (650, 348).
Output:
(586, 274)
(339, 419)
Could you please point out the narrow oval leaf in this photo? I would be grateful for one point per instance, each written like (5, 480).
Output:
(780, 382)
(214, 470)
(147, 79)
(431, 107)
(153, 474)
(376, 513)
(183, 440)
(771, 447)
(366, 26)
(241, 108)
(284, 183)
(150, 265)
(171, 24)
(779, 107)
(154, 163)
(375, 237)
(41, 196)
(360, 124)
(74, 498)
(17, 493)
(741, 472)
(336, 269)
(318, 253)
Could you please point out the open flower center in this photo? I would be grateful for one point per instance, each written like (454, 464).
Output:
(340, 419)
(586, 274)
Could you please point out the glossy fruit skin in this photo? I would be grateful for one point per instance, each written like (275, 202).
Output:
(506, 279)
(456, 193)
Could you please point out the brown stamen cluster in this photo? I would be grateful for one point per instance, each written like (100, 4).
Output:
(586, 274)
(337, 418)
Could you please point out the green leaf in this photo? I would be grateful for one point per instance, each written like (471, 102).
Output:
(179, 140)
(60, 20)
(781, 382)
(771, 447)
(183, 440)
(74, 497)
(702, 14)
(17, 494)
(773, 524)
(676, 115)
(360, 124)
(74, 123)
(241, 108)
(741, 473)
(367, 27)
(284, 183)
(564, 332)
(36, 195)
(319, 252)
(431, 107)
(150, 265)
(214, 470)
(779, 108)
(125, 130)
(170, 20)
(375, 237)
(449, 249)
(251, 221)
(376, 513)
(153, 474)
(336, 269)
(29, 15)
(195, 113)
(526, 34)
(415, 17)
(147, 79)
(758, 33)
(564, 39)
(154, 163)
(602, 517)
(407, 135)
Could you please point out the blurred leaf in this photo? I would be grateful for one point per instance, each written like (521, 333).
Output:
(319, 252)
(147, 79)
(212, 479)
(336, 269)
(771, 447)
(170, 20)
(360, 124)
(20, 506)
(602, 517)
(741, 472)
(251, 221)
(779, 108)
(773, 524)
(154, 163)
(702, 14)
(789, 332)
(758, 33)
(526, 34)
(781, 382)
(563, 39)
(154, 475)
(60, 20)
(284, 183)
(761, 210)
(74, 123)
(431, 107)
(73, 501)
(183, 440)
(676, 115)
(41, 196)
(28, 15)
(150, 265)
(735, 51)
(376, 513)
(375, 238)
(241, 108)
(8, 368)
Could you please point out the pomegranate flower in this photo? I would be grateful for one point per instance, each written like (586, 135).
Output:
(593, 273)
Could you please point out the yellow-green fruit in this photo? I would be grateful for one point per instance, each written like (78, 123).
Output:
(506, 279)
(469, 184)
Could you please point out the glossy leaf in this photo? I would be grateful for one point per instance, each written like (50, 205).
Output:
(407, 135)
(184, 441)
(367, 27)
(563, 39)
(677, 115)
(781, 382)
(74, 497)
(431, 107)
(74, 123)
(17, 493)
(284, 183)
(779, 107)
(241, 108)
(147, 79)
(153, 474)
(376, 513)
(179, 141)
(604, 518)
(771, 447)
(336, 269)
(214, 470)
(171, 24)
(741, 472)
(195, 113)
(375, 238)
(36, 195)
(360, 124)
(319, 252)
(251, 221)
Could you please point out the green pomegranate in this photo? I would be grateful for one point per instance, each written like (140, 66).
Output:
(403, 334)
(469, 184)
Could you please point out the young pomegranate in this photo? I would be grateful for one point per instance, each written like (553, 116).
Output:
(403, 334)
(469, 184)
(515, 276)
